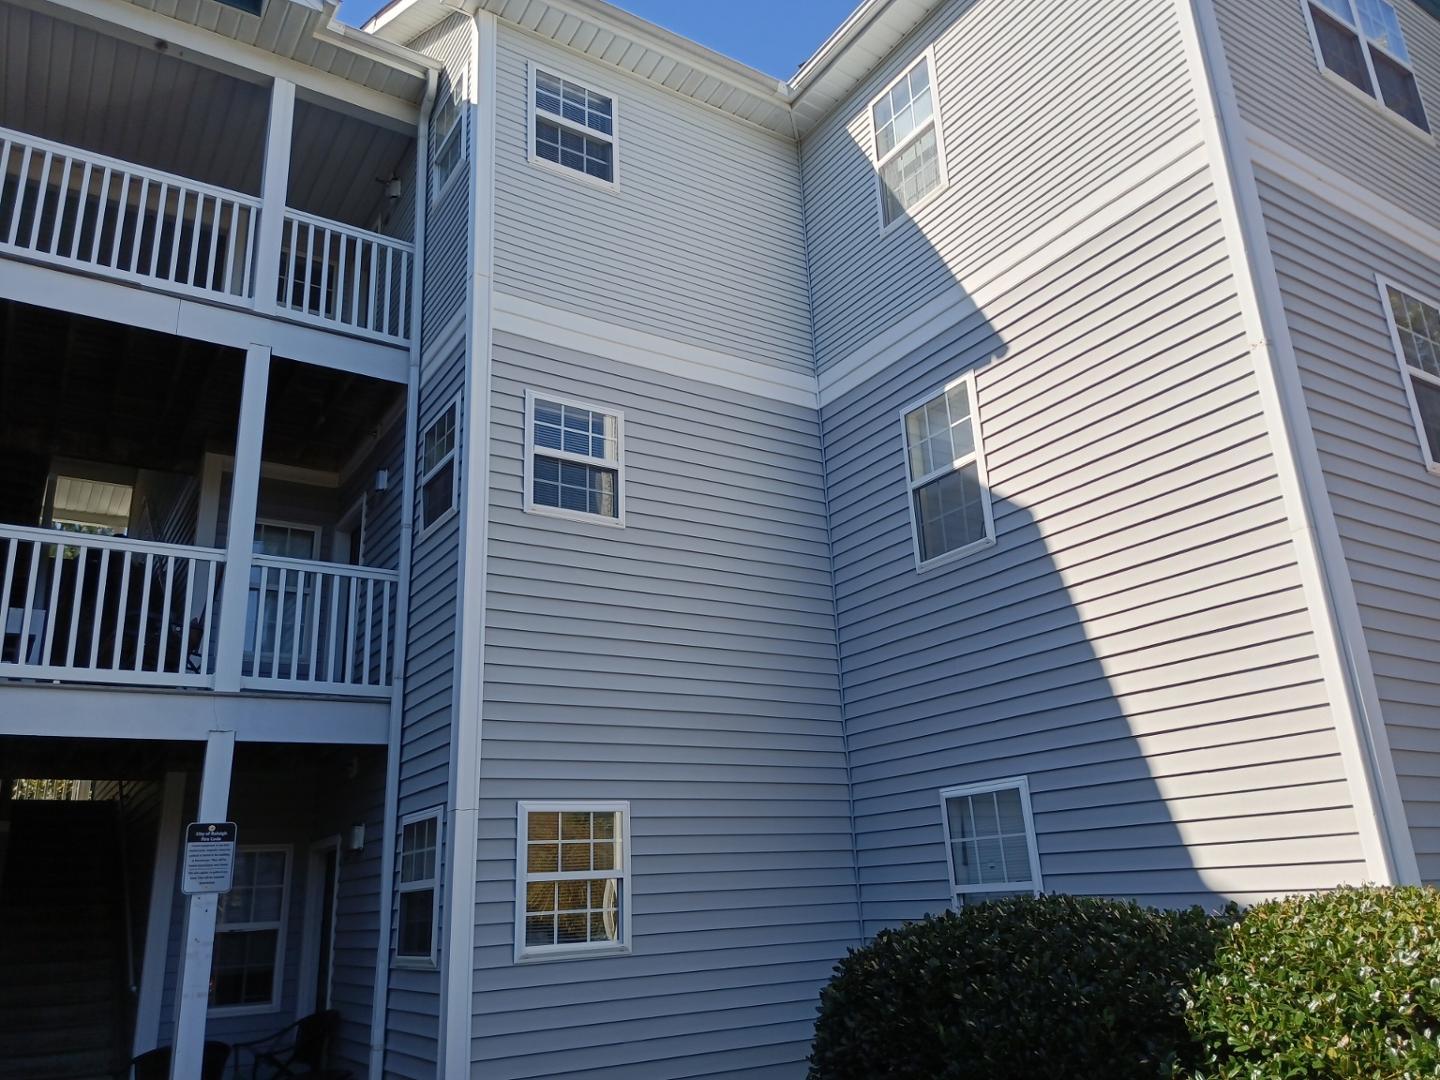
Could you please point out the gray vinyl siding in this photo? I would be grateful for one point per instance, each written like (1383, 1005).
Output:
(1282, 91)
(699, 242)
(1386, 503)
(686, 663)
(1136, 643)
(447, 218)
(1040, 108)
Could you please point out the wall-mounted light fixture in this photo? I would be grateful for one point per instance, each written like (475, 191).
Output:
(355, 839)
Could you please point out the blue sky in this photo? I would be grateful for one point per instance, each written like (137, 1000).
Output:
(774, 37)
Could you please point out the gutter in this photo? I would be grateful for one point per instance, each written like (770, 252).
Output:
(381, 996)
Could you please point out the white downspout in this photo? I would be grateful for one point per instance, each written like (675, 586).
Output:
(381, 998)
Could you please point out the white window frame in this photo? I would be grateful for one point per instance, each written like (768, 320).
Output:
(433, 884)
(547, 953)
(1408, 373)
(617, 463)
(1017, 783)
(532, 111)
(426, 475)
(913, 485)
(439, 142)
(1375, 99)
(277, 983)
(878, 162)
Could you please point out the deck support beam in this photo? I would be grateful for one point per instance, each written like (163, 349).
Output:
(273, 192)
(194, 1004)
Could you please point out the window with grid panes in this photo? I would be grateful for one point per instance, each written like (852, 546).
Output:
(990, 842)
(1362, 42)
(572, 889)
(909, 148)
(437, 466)
(574, 463)
(949, 502)
(574, 126)
(1415, 324)
(249, 926)
(417, 887)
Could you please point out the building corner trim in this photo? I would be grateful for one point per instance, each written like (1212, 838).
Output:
(1364, 746)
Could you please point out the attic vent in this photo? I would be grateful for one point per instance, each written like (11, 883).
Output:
(250, 7)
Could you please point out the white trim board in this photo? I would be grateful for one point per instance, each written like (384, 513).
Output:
(1102, 210)
(568, 330)
(128, 305)
(1275, 155)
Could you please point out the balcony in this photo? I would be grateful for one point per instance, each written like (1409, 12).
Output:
(104, 609)
(84, 211)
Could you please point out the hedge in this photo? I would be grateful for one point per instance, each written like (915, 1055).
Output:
(1341, 986)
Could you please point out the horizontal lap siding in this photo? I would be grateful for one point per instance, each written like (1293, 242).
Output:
(1137, 642)
(1387, 505)
(1040, 109)
(700, 242)
(686, 663)
(1280, 89)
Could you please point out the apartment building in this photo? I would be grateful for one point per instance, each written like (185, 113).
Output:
(614, 530)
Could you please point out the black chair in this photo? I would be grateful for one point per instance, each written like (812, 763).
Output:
(155, 1064)
(297, 1050)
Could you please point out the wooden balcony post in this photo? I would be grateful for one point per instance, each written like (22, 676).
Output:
(240, 533)
(273, 193)
(200, 919)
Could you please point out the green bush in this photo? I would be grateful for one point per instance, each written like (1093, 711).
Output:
(1054, 987)
(1343, 986)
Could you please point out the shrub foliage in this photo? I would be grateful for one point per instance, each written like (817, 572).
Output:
(1055, 986)
(1342, 986)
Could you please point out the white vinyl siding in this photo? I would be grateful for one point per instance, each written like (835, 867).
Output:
(945, 462)
(572, 127)
(575, 465)
(1361, 42)
(1415, 331)
(250, 933)
(572, 896)
(908, 141)
(990, 841)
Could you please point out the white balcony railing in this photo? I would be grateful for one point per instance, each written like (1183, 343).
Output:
(340, 276)
(105, 609)
(319, 627)
(84, 211)
(85, 608)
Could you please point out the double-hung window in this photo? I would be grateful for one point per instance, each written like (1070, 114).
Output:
(574, 464)
(250, 932)
(573, 879)
(418, 888)
(447, 136)
(990, 841)
(1361, 41)
(909, 145)
(572, 125)
(1415, 332)
(945, 462)
(438, 475)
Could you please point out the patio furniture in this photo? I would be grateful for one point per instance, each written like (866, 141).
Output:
(155, 1064)
(296, 1050)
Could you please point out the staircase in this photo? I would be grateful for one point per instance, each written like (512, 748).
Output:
(62, 947)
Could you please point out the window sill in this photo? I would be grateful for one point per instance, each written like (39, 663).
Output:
(912, 213)
(1376, 105)
(415, 963)
(434, 526)
(561, 954)
(612, 185)
(223, 1012)
(954, 558)
(576, 515)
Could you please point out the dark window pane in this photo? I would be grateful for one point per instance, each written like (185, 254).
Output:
(950, 512)
(417, 923)
(439, 494)
(1399, 90)
(1340, 48)
(1427, 397)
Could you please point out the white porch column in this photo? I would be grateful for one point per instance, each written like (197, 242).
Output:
(157, 922)
(273, 192)
(200, 925)
(240, 534)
